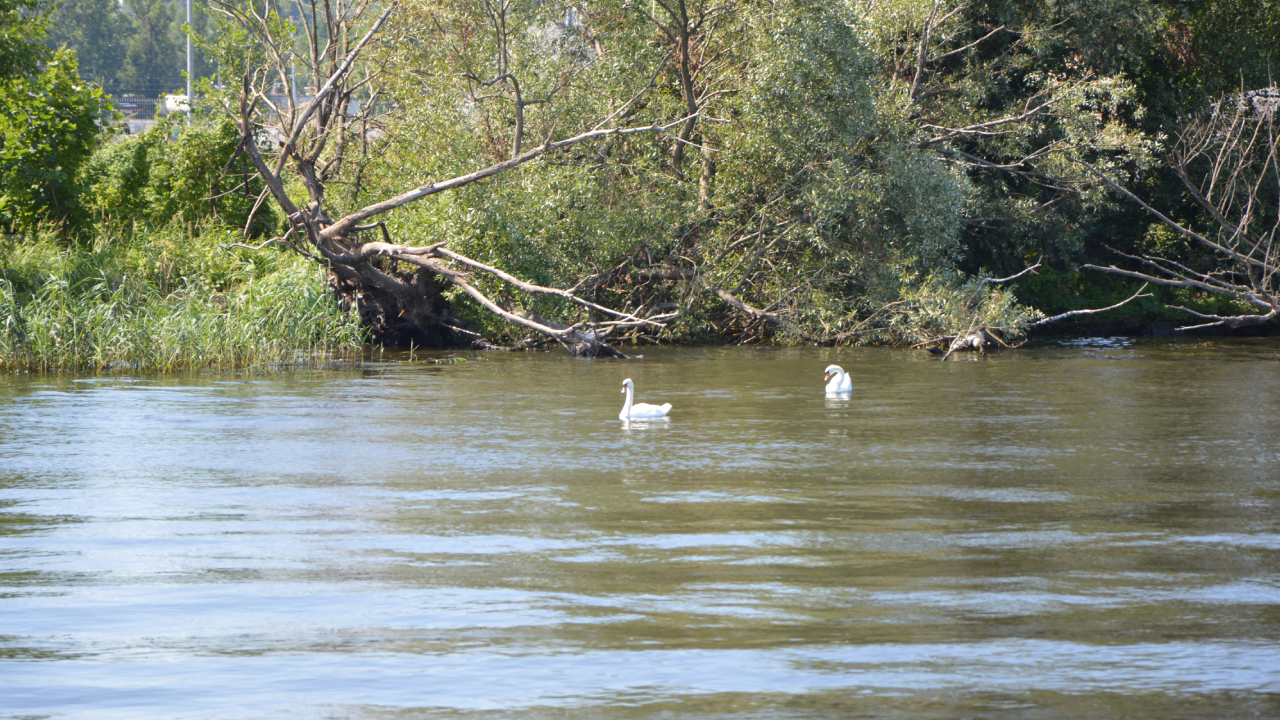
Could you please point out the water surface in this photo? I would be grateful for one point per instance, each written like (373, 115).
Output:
(1074, 531)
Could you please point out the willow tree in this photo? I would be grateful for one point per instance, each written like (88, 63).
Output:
(794, 205)
(866, 149)
(752, 169)
(371, 67)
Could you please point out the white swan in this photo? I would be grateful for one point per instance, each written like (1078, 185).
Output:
(640, 411)
(840, 380)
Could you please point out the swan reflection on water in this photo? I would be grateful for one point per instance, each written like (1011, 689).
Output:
(837, 400)
(643, 424)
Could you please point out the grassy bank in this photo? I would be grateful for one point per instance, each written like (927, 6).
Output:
(164, 301)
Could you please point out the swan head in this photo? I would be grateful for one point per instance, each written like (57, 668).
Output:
(627, 384)
(832, 370)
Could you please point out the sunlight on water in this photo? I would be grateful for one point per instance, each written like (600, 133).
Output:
(1083, 530)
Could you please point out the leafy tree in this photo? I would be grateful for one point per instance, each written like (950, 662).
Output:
(99, 32)
(175, 173)
(1010, 93)
(818, 203)
(811, 210)
(50, 123)
(22, 24)
(153, 62)
(826, 172)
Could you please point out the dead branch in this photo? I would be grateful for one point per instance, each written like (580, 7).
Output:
(998, 281)
(1073, 313)
(1228, 162)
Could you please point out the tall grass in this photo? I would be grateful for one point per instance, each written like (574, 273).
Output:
(134, 306)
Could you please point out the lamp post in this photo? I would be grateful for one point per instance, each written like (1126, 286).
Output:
(189, 61)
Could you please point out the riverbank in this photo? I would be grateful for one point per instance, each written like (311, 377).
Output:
(179, 299)
(164, 301)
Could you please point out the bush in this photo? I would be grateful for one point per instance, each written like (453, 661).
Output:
(173, 173)
(50, 124)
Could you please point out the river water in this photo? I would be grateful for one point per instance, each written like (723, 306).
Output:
(1085, 530)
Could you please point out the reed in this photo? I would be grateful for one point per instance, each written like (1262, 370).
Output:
(107, 309)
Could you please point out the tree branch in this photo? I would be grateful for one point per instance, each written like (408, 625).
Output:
(1073, 313)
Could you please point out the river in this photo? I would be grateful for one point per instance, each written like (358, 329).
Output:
(1078, 530)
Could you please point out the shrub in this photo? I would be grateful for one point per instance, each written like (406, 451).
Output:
(174, 173)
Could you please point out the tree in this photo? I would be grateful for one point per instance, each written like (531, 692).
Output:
(832, 200)
(50, 124)
(486, 49)
(1009, 92)
(99, 31)
(183, 171)
(1227, 160)
(871, 151)
(153, 63)
(22, 24)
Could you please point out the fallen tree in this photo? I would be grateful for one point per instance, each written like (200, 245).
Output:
(294, 141)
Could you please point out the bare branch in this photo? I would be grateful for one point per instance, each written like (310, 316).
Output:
(1233, 321)
(329, 85)
(346, 223)
(982, 127)
(922, 52)
(532, 288)
(1073, 313)
(971, 45)
(1169, 221)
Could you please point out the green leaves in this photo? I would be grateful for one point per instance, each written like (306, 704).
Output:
(173, 173)
(22, 24)
(51, 123)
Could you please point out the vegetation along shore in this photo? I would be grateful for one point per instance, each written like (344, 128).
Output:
(479, 173)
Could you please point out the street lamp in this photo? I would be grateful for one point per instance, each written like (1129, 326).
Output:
(190, 69)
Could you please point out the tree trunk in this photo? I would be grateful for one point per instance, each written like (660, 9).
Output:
(420, 317)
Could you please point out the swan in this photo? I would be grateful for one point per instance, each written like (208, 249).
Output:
(840, 380)
(640, 411)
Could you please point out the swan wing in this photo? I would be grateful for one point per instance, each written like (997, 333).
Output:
(645, 410)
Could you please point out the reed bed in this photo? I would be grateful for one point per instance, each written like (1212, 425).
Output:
(66, 319)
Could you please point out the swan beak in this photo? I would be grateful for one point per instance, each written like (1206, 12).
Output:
(826, 376)
(624, 390)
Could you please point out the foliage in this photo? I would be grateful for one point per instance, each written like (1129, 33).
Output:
(130, 304)
(811, 193)
(22, 24)
(99, 32)
(834, 172)
(152, 63)
(176, 172)
(136, 48)
(1012, 93)
(829, 189)
(937, 308)
(50, 124)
